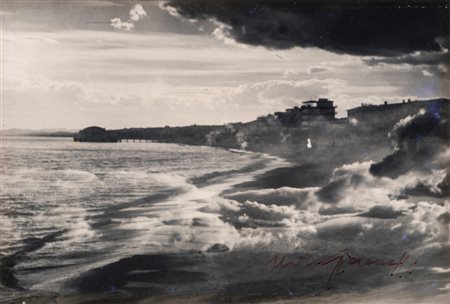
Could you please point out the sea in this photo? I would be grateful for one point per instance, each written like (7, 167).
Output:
(135, 219)
(69, 207)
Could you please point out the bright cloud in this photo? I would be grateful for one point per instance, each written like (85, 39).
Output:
(180, 75)
(137, 12)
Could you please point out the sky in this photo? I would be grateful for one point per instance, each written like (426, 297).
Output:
(120, 64)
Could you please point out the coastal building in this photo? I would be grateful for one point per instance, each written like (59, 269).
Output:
(391, 113)
(318, 110)
(311, 111)
(95, 134)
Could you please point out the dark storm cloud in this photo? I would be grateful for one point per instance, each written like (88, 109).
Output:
(374, 28)
(434, 58)
(421, 58)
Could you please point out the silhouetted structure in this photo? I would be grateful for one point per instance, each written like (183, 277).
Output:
(95, 134)
(289, 130)
(310, 111)
(388, 114)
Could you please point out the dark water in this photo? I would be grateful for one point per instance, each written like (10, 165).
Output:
(84, 205)
(162, 218)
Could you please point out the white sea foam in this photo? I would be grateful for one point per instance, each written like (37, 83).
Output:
(141, 202)
(190, 220)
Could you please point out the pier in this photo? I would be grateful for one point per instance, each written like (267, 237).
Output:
(134, 140)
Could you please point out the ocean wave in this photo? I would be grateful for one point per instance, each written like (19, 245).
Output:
(125, 218)
(353, 206)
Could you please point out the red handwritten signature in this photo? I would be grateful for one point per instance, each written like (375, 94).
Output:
(340, 260)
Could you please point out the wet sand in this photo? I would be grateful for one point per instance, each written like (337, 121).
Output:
(388, 295)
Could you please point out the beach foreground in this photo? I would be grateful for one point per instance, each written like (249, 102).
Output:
(267, 230)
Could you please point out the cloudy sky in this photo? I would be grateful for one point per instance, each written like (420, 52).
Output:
(71, 64)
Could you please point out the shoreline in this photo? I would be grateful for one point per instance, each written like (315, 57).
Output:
(294, 174)
(10, 290)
